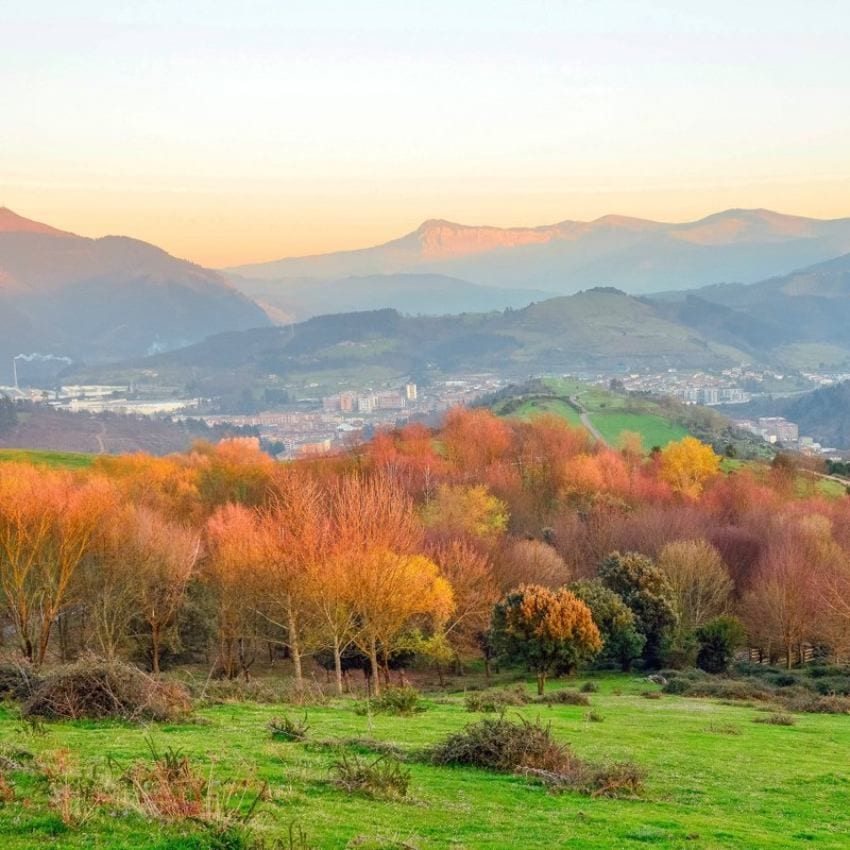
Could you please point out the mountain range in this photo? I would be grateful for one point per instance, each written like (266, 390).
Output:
(118, 299)
(635, 255)
(99, 299)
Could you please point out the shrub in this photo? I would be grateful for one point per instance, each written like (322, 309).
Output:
(589, 688)
(497, 699)
(399, 701)
(17, 681)
(776, 718)
(717, 641)
(564, 697)
(106, 689)
(171, 788)
(593, 717)
(287, 728)
(651, 694)
(383, 778)
(500, 744)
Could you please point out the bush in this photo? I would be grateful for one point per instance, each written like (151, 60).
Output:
(17, 681)
(171, 788)
(717, 641)
(500, 744)
(288, 729)
(383, 778)
(776, 718)
(106, 689)
(593, 717)
(564, 697)
(528, 749)
(496, 700)
(589, 688)
(399, 701)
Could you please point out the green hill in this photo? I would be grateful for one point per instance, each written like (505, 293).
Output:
(609, 414)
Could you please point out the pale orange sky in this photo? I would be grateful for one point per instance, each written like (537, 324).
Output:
(230, 137)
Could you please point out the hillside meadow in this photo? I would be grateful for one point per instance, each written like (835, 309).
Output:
(714, 777)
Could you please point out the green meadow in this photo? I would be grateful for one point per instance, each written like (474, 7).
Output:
(715, 779)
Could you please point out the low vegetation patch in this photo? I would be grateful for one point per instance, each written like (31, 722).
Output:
(104, 689)
(383, 778)
(403, 700)
(17, 681)
(528, 748)
(496, 699)
(776, 718)
(564, 697)
(287, 728)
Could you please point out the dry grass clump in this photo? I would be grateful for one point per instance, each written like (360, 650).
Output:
(384, 778)
(17, 681)
(402, 701)
(497, 699)
(106, 689)
(528, 749)
(287, 728)
(776, 718)
(564, 697)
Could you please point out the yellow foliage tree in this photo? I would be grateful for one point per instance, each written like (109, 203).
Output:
(687, 465)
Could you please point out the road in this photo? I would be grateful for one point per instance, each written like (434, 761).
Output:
(585, 420)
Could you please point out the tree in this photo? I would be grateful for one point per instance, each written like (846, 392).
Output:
(544, 629)
(48, 524)
(717, 641)
(646, 591)
(470, 575)
(687, 465)
(622, 642)
(234, 560)
(377, 536)
(530, 562)
(473, 511)
(700, 583)
(164, 555)
(786, 606)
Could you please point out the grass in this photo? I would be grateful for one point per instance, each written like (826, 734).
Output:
(654, 430)
(58, 460)
(763, 787)
(610, 414)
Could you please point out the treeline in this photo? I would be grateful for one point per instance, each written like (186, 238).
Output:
(518, 540)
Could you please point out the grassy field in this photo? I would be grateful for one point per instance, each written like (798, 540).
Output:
(609, 413)
(714, 778)
(65, 460)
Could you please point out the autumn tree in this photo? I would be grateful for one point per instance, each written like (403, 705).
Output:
(235, 557)
(622, 642)
(379, 534)
(687, 465)
(530, 562)
(786, 607)
(164, 555)
(295, 533)
(48, 522)
(470, 575)
(646, 591)
(461, 510)
(700, 584)
(544, 629)
(474, 439)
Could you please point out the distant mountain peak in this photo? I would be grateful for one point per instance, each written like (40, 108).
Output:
(11, 222)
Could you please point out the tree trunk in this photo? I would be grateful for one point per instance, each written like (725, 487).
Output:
(541, 683)
(155, 649)
(294, 648)
(338, 666)
(375, 678)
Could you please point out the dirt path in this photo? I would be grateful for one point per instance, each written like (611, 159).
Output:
(585, 420)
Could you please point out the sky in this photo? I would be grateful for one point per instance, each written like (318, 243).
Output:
(238, 132)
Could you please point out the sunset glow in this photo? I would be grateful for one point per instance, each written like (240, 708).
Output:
(283, 129)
